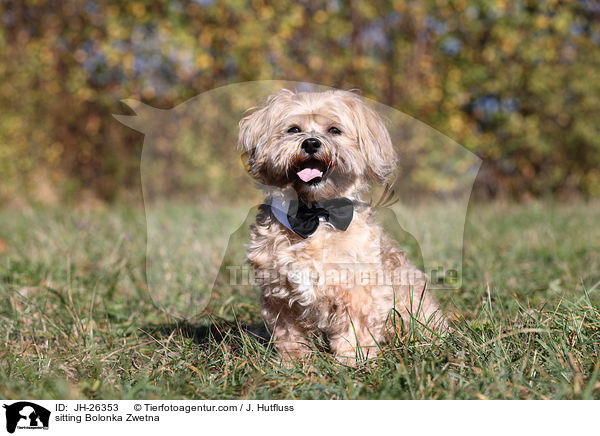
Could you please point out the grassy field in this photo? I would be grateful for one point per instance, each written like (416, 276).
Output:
(76, 320)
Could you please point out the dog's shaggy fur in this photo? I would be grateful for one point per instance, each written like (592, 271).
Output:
(325, 284)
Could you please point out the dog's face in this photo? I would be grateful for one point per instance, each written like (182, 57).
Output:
(324, 145)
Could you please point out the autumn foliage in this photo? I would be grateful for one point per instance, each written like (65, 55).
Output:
(517, 82)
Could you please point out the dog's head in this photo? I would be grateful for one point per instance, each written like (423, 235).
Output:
(323, 144)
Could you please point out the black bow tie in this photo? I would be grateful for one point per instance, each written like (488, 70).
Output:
(304, 219)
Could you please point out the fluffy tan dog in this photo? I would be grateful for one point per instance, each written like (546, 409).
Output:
(325, 267)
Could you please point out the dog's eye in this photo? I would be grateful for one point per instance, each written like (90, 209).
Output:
(335, 131)
(294, 129)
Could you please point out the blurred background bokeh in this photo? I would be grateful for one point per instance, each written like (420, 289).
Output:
(516, 82)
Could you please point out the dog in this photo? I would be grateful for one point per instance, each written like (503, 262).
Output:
(321, 260)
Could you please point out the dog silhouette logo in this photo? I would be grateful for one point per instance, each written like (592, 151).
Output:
(26, 415)
(189, 153)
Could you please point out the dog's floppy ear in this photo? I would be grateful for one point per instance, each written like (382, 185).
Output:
(253, 134)
(375, 142)
(255, 128)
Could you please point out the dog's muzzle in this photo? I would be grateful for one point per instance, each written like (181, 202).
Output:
(311, 145)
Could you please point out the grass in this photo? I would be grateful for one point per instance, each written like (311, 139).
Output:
(76, 319)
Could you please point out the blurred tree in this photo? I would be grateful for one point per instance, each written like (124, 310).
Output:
(516, 82)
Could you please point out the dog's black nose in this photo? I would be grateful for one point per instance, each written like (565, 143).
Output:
(311, 145)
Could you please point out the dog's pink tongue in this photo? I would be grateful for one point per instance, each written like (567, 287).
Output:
(307, 174)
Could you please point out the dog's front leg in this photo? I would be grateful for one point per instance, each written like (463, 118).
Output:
(290, 338)
(355, 342)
